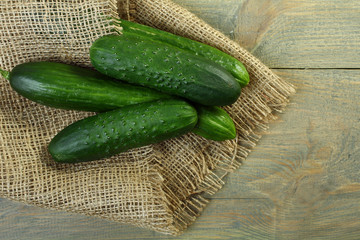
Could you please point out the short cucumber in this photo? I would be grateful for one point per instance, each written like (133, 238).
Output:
(218, 120)
(109, 133)
(234, 66)
(166, 68)
(70, 87)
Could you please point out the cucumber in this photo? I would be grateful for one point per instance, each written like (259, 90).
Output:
(234, 66)
(214, 123)
(70, 87)
(166, 68)
(75, 88)
(119, 130)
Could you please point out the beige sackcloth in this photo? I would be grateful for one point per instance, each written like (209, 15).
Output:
(159, 187)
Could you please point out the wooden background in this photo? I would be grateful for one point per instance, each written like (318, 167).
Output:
(303, 180)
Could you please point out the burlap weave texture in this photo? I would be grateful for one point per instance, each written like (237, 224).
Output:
(158, 187)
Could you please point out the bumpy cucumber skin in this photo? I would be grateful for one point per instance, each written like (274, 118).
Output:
(234, 66)
(70, 87)
(109, 133)
(139, 60)
(214, 124)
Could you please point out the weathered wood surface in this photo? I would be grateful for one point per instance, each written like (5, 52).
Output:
(302, 181)
(289, 33)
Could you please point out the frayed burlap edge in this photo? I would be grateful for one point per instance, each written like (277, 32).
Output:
(266, 95)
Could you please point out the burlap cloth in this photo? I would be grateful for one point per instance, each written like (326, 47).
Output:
(159, 187)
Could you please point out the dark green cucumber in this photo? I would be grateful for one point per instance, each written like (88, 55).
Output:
(109, 133)
(141, 61)
(234, 66)
(71, 87)
(75, 88)
(214, 123)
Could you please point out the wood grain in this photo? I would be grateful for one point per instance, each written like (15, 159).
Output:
(302, 180)
(308, 162)
(223, 219)
(318, 134)
(289, 33)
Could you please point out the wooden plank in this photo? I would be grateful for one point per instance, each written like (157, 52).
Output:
(220, 14)
(222, 219)
(319, 128)
(308, 161)
(289, 33)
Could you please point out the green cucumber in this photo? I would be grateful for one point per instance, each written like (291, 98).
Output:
(70, 87)
(166, 68)
(218, 120)
(119, 130)
(75, 88)
(234, 66)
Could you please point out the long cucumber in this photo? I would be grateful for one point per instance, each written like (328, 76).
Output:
(234, 66)
(70, 87)
(139, 60)
(110, 133)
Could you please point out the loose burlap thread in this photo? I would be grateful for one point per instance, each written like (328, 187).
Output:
(159, 187)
